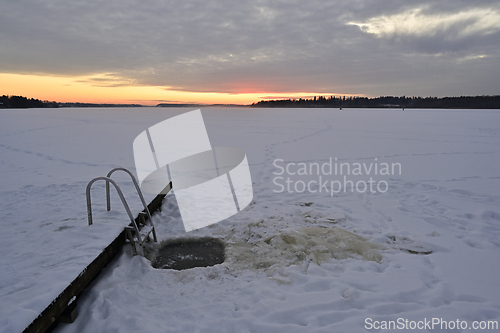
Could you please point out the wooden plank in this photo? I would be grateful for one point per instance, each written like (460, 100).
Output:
(56, 308)
(48, 316)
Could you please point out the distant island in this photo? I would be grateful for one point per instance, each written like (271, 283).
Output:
(97, 105)
(462, 102)
(179, 105)
(192, 105)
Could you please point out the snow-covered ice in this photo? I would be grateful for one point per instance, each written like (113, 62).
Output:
(302, 260)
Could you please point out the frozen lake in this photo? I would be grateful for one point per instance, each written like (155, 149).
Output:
(434, 220)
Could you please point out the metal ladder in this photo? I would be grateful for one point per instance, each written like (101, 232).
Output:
(137, 233)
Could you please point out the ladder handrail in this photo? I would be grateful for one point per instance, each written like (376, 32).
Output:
(89, 203)
(139, 192)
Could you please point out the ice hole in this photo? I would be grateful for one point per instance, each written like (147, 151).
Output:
(182, 254)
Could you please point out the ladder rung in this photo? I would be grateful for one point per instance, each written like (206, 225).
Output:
(146, 231)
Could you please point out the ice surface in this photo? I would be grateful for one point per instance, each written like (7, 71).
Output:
(437, 228)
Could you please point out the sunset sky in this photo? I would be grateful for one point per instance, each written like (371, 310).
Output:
(160, 51)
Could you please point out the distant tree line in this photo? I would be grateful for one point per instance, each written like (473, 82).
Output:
(465, 102)
(96, 105)
(18, 102)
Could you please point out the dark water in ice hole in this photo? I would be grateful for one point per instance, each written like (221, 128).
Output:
(189, 253)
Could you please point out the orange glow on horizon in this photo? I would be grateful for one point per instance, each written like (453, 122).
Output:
(80, 89)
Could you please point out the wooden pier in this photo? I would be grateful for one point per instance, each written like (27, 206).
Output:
(63, 308)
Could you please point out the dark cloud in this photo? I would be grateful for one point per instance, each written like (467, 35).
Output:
(258, 46)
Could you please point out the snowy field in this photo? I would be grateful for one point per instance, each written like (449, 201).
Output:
(420, 252)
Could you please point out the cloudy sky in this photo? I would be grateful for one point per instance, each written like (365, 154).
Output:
(151, 51)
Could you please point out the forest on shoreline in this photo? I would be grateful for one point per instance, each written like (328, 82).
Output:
(21, 102)
(462, 102)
